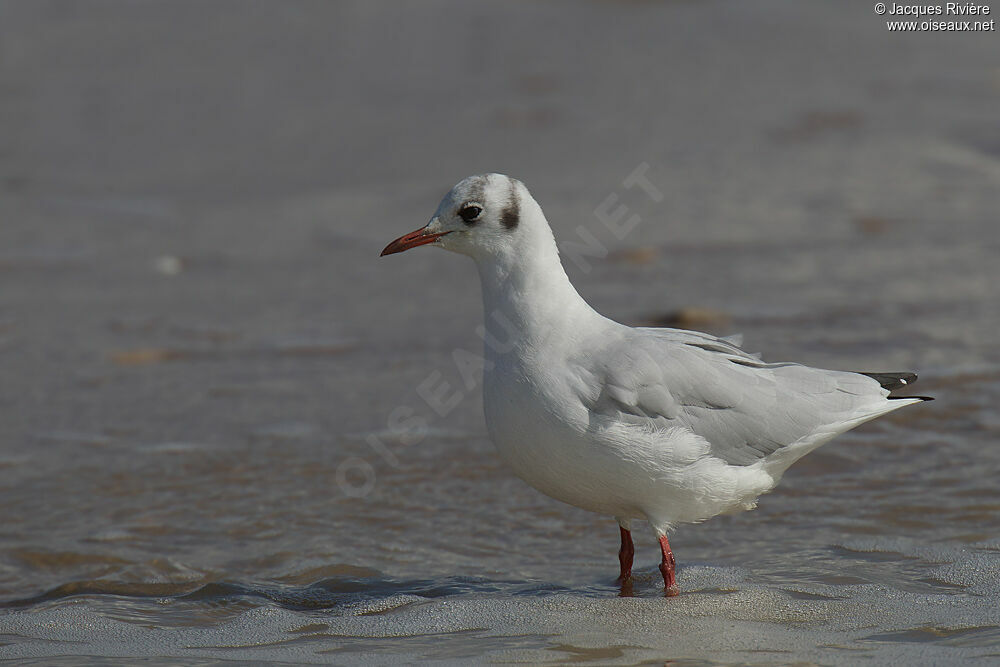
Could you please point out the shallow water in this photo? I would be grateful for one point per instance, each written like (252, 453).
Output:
(197, 336)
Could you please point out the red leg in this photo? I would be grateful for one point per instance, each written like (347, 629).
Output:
(625, 555)
(667, 567)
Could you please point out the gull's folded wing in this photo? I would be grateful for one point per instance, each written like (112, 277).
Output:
(745, 408)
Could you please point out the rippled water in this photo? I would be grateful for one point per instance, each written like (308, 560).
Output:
(197, 335)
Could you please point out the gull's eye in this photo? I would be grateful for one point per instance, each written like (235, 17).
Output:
(469, 212)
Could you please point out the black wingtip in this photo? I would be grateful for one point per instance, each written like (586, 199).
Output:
(922, 398)
(892, 381)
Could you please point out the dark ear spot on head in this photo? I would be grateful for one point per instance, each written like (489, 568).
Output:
(511, 213)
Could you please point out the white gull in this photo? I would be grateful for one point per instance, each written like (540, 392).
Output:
(667, 425)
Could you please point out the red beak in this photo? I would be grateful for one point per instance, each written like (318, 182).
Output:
(412, 240)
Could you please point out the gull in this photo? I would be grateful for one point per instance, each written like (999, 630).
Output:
(667, 425)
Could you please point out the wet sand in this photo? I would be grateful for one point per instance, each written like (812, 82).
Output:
(197, 335)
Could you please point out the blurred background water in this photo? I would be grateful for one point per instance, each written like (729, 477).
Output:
(202, 357)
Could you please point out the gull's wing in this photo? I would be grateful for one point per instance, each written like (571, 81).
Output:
(745, 408)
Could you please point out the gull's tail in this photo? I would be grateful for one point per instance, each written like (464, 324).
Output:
(892, 381)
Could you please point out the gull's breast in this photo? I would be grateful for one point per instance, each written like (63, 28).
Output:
(552, 441)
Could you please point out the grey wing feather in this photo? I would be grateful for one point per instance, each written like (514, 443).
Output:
(745, 408)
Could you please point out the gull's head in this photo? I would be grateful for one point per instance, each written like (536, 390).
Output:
(481, 216)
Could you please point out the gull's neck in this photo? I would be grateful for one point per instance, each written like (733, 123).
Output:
(528, 299)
